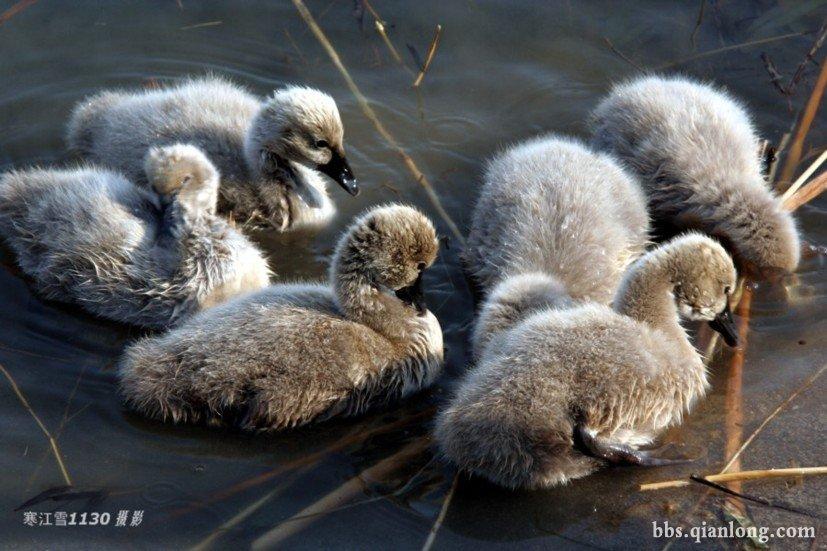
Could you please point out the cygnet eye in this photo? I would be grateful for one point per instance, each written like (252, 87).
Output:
(322, 144)
(727, 290)
(420, 266)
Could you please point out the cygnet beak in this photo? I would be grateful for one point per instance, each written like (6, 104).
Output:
(724, 324)
(414, 295)
(338, 169)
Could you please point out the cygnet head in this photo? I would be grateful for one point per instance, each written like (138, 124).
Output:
(302, 125)
(387, 248)
(772, 249)
(169, 168)
(704, 277)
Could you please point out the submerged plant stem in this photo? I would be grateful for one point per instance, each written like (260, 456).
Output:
(52, 441)
(442, 513)
(340, 495)
(409, 163)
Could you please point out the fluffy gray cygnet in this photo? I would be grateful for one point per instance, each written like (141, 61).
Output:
(697, 154)
(558, 222)
(295, 354)
(567, 390)
(271, 153)
(148, 257)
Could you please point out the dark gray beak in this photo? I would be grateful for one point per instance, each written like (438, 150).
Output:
(724, 324)
(414, 295)
(339, 170)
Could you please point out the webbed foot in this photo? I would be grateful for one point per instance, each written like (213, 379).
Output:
(616, 453)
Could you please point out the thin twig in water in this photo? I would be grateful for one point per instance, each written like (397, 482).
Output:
(429, 57)
(15, 9)
(442, 513)
(201, 25)
(772, 416)
(409, 163)
(740, 476)
(340, 495)
(810, 57)
(797, 146)
(295, 46)
(717, 51)
(621, 55)
(52, 441)
(698, 22)
(775, 77)
(755, 499)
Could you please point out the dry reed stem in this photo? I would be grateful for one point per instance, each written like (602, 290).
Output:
(52, 441)
(15, 9)
(813, 189)
(429, 57)
(805, 176)
(739, 476)
(342, 494)
(772, 416)
(442, 513)
(734, 421)
(797, 145)
(409, 163)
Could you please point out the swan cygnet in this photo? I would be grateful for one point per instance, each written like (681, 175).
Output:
(552, 205)
(90, 236)
(556, 220)
(568, 390)
(295, 354)
(271, 153)
(697, 153)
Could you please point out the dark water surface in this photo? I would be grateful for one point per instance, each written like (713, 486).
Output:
(504, 71)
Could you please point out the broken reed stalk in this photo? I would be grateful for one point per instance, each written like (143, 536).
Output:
(409, 163)
(807, 117)
(442, 513)
(52, 441)
(340, 495)
(429, 57)
(380, 28)
(739, 477)
(379, 25)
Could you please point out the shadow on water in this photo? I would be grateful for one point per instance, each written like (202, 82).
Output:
(503, 71)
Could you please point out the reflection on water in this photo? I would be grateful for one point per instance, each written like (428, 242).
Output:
(504, 71)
